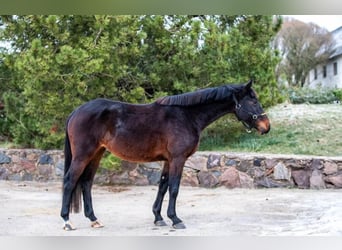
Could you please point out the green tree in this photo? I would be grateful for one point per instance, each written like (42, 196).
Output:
(56, 63)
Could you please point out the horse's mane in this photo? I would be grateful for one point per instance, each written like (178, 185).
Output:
(202, 96)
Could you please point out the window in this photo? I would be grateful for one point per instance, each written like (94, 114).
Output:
(315, 73)
(335, 68)
(324, 71)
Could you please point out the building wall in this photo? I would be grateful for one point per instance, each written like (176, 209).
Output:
(331, 80)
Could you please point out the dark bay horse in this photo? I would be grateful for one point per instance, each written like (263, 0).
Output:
(166, 130)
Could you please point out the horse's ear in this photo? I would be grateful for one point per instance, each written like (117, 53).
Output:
(248, 86)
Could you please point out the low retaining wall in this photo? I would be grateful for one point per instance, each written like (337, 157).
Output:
(204, 169)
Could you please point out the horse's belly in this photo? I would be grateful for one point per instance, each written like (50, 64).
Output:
(137, 150)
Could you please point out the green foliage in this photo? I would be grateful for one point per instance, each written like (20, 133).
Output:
(110, 162)
(56, 63)
(338, 94)
(313, 96)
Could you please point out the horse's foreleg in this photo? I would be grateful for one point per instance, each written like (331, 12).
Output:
(176, 169)
(163, 185)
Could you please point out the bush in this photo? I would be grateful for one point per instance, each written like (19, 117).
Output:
(312, 96)
(338, 94)
(110, 162)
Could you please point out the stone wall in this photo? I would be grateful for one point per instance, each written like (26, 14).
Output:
(204, 169)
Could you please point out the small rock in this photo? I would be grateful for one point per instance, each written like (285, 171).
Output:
(301, 178)
(214, 160)
(197, 162)
(189, 178)
(270, 163)
(231, 163)
(245, 180)
(45, 159)
(316, 180)
(59, 171)
(207, 179)
(268, 183)
(316, 164)
(3, 173)
(4, 159)
(281, 172)
(244, 165)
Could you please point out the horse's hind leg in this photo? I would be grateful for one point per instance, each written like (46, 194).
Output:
(70, 184)
(86, 181)
(163, 185)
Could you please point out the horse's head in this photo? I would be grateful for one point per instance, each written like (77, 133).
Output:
(249, 111)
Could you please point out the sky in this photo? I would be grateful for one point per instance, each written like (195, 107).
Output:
(330, 22)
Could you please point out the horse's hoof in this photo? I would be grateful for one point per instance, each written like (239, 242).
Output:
(96, 224)
(179, 225)
(160, 223)
(68, 226)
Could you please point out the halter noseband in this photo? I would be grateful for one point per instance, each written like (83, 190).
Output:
(238, 106)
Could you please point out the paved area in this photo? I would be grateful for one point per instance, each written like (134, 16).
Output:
(32, 209)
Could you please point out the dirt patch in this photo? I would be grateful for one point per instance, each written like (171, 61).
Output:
(32, 209)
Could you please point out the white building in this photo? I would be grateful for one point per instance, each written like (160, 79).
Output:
(329, 75)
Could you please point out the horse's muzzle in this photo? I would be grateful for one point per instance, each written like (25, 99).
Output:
(263, 125)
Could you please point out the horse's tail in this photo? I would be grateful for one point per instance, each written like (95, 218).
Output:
(76, 203)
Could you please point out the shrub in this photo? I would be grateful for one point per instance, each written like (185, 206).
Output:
(313, 96)
(338, 94)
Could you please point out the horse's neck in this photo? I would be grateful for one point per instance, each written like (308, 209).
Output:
(206, 114)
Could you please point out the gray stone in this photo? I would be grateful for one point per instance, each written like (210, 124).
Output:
(301, 178)
(26, 176)
(189, 178)
(214, 160)
(231, 163)
(4, 159)
(154, 177)
(4, 173)
(14, 177)
(128, 166)
(294, 164)
(197, 162)
(270, 163)
(151, 165)
(316, 180)
(244, 166)
(316, 164)
(207, 179)
(281, 172)
(268, 183)
(245, 180)
(59, 170)
(45, 171)
(256, 172)
(330, 168)
(45, 159)
(120, 179)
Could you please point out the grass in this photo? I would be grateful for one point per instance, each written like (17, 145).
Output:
(295, 129)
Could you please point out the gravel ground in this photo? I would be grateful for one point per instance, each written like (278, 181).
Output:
(32, 209)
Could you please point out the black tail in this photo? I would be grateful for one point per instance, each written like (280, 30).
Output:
(76, 203)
